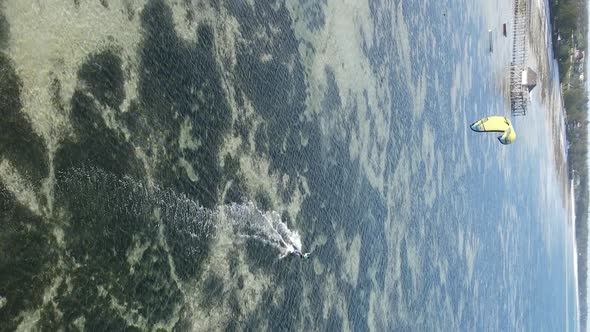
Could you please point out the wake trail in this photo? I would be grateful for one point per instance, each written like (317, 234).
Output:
(95, 194)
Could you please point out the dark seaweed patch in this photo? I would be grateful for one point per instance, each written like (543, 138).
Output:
(97, 145)
(234, 304)
(314, 16)
(358, 302)
(406, 274)
(240, 282)
(237, 190)
(261, 139)
(178, 81)
(285, 318)
(25, 258)
(4, 30)
(103, 75)
(276, 86)
(334, 322)
(258, 255)
(263, 200)
(242, 127)
(102, 227)
(286, 218)
(18, 141)
(212, 291)
(107, 220)
(284, 314)
(277, 89)
(55, 92)
(136, 123)
(373, 244)
(233, 263)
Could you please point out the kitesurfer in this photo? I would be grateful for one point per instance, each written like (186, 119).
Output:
(298, 253)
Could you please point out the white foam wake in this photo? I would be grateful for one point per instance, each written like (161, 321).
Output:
(96, 191)
(267, 227)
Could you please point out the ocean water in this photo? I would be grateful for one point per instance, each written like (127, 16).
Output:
(155, 156)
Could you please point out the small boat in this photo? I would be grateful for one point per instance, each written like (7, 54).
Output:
(504, 29)
(491, 43)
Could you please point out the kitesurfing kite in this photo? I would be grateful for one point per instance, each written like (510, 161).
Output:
(496, 124)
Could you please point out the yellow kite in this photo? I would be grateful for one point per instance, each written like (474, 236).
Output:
(496, 124)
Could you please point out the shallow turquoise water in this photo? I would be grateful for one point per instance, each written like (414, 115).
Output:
(349, 119)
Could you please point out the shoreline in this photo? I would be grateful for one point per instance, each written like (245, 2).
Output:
(551, 97)
(572, 215)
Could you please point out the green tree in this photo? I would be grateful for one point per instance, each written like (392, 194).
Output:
(567, 16)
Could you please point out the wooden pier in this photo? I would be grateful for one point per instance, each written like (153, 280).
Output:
(520, 74)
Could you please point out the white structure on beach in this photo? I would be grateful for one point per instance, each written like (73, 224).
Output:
(529, 79)
(522, 81)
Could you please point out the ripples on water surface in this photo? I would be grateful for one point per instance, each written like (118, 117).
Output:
(129, 125)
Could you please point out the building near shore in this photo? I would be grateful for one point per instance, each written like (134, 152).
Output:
(522, 81)
(529, 79)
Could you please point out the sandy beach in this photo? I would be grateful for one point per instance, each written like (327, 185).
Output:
(550, 95)
(551, 99)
